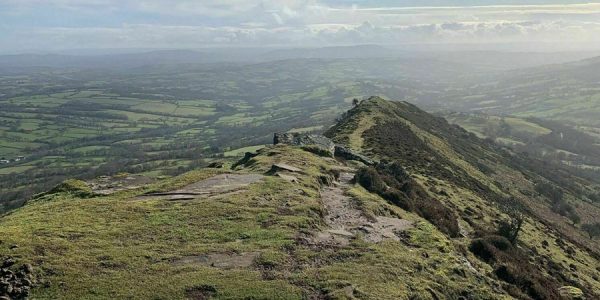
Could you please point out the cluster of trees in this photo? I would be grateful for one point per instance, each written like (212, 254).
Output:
(559, 204)
(592, 229)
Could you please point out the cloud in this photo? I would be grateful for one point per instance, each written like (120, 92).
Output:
(187, 23)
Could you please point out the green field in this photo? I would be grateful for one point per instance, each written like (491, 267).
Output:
(141, 120)
(156, 125)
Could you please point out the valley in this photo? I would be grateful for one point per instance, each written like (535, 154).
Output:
(299, 150)
(163, 120)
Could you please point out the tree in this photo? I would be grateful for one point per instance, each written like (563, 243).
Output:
(355, 102)
(575, 218)
(592, 229)
(510, 229)
(515, 210)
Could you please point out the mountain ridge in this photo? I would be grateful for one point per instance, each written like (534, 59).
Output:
(289, 222)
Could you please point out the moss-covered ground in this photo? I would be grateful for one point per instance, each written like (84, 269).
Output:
(121, 247)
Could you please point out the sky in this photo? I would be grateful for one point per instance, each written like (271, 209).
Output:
(51, 25)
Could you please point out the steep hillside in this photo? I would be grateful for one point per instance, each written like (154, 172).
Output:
(482, 185)
(434, 217)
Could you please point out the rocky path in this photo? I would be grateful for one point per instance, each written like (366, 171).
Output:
(214, 186)
(346, 221)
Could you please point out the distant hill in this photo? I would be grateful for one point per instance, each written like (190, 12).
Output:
(122, 60)
(567, 92)
(573, 145)
(410, 208)
(110, 61)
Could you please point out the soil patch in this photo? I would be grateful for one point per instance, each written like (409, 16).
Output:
(346, 221)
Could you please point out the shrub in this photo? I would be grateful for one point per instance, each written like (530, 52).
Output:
(559, 204)
(489, 248)
(511, 265)
(370, 180)
(593, 230)
(510, 230)
(550, 191)
(393, 183)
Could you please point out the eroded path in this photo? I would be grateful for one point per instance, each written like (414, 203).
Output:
(346, 221)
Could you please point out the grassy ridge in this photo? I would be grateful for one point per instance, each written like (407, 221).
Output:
(118, 247)
(483, 185)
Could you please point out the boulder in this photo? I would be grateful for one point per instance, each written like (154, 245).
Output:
(315, 143)
(245, 160)
(283, 138)
(216, 165)
(283, 167)
(348, 154)
(320, 145)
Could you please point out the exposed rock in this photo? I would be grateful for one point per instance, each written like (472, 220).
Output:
(244, 161)
(283, 138)
(216, 165)
(107, 185)
(214, 186)
(348, 154)
(284, 167)
(15, 285)
(320, 145)
(27, 268)
(311, 142)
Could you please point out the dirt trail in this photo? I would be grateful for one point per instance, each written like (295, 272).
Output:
(346, 221)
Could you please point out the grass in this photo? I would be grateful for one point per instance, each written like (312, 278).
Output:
(117, 247)
(476, 211)
(17, 169)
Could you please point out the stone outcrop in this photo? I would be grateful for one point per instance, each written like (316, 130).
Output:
(320, 145)
(349, 154)
(284, 167)
(15, 283)
(313, 142)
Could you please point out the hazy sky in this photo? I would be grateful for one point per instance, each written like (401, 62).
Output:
(40, 25)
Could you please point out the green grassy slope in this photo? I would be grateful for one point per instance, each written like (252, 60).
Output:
(477, 181)
(119, 247)
(262, 241)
